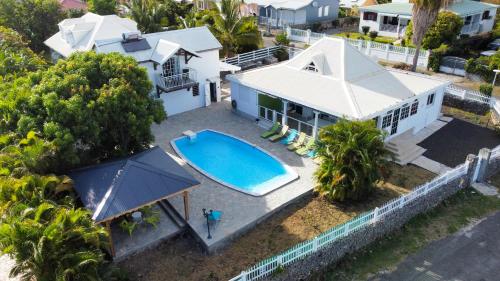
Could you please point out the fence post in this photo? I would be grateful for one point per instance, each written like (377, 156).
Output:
(387, 46)
(238, 59)
(308, 36)
(368, 47)
(288, 32)
(375, 215)
(407, 53)
(360, 45)
(482, 163)
(462, 95)
(275, 116)
(243, 276)
(401, 202)
(315, 244)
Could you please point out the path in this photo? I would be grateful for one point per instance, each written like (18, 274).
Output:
(471, 254)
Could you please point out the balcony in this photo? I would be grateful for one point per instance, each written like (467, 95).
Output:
(185, 80)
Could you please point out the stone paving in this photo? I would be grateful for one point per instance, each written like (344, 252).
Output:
(240, 211)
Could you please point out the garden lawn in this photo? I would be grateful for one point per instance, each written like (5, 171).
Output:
(182, 259)
(384, 254)
(481, 120)
(356, 35)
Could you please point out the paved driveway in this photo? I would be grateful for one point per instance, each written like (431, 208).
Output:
(473, 254)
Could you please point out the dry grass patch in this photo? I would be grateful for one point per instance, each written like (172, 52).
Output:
(481, 120)
(181, 259)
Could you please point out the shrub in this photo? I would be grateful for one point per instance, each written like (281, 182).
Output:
(282, 39)
(365, 29)
(373, 35)
(402, 66)
(281, 54)
(436, 56)
(486, 89)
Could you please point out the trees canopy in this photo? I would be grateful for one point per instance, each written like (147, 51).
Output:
(16, 58)
(150, 15)
(235, 32)
(352, 157)
(102, 7)
(444, 30)
(36, 20)
(90, 107)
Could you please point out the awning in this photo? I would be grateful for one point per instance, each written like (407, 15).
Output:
(228, 67)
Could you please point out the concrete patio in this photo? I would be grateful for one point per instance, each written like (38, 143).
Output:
(240, 211)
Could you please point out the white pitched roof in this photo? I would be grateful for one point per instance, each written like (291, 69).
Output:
(80, 34)
(347, 83)
(165, 44)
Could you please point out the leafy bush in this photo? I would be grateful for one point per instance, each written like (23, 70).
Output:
(402, 66)
(365, 29)
(353, 155)
(436, 56)
(282, 39)
(444, 31)
(281, 54)
(486, 89)
(373, 35)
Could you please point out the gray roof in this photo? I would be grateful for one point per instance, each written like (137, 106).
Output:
(114, 188)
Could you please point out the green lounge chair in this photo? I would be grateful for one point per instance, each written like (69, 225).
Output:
(303, 151)
(298, 143)
(272, 131)
(280, 134)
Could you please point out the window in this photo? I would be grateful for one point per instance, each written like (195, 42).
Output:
(386, 121)
(326, 11)
(468, 20)
(430, 99)
(320, 12)
(486, 15)
(370, 16)
(395, 121)
(311, 67)
(405, 111)
(201, 4)
(414, 107)
(196, 90)
(171, 67)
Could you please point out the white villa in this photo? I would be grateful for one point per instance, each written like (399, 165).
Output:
(330, 80)
(80, 34)
(391, 19)
(183, 65)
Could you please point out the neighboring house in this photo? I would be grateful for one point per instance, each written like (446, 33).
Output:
(183, 64)
(332, 80)
(80, 34)
(73, 5)
(392, 19)
(356, 3)
(278, 13)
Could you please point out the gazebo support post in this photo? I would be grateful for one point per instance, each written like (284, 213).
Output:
(111, 246)
(186, 205)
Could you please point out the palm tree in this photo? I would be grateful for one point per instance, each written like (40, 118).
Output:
(352, 158)
(51, 242)
(234, 32)
(150, 15)
(424, 15)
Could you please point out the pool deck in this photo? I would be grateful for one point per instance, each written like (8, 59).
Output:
(241, 211)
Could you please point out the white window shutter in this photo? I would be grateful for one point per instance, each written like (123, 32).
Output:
(320, 11)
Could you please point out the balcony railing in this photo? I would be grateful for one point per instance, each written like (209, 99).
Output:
(177, 82)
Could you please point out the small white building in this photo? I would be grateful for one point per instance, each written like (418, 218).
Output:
(80, 34)
(183, 65)
(391, 19)
(332, 80)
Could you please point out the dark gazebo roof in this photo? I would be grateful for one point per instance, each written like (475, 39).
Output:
(114, 188)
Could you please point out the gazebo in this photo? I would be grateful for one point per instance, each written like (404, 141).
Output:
(116, 188)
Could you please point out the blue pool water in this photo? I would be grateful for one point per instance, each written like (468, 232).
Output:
(233, 162)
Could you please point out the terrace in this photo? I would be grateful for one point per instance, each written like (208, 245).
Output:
(240, 211)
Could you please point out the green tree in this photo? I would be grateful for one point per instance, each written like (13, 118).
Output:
(353, 155)
(424, 15)
(234, 32)
(51, 242)
(16, 58)
(89, 107)
(36, 20)
(150, 15)
(445, 30)
(102, 7)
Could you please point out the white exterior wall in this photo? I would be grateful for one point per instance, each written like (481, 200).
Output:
(246, 99)
(374, 25)
(206, 67)
(487, 25)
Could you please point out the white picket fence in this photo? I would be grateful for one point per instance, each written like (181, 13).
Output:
(268, 266)
(495, 153)
(379, 51)
(259, 55)
(472, 95)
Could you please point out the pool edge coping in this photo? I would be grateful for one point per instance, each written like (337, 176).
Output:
(288, 168)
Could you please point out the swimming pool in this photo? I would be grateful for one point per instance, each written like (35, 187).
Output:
(234, 162)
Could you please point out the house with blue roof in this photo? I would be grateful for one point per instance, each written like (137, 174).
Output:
(392, 19)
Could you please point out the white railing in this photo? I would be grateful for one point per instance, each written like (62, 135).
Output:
(268, 266)
(176, 81)
(294, 123)
(495, 153)
(260, 54)
(467, 94)
(370, 48)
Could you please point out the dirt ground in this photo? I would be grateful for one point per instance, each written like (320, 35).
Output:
(182, 259)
